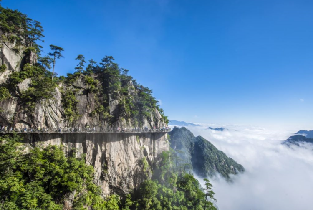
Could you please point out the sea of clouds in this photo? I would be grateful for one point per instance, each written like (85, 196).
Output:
(276, 177)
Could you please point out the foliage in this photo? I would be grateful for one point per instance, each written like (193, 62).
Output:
(145, 167)
(92, 84)
(204, 157)
(44, 178)
(20, 29)
(45, 62)
(56, 53)
(4, 93)
(169, 189)
(3, 68)
(110, 82)
(41, 86)
(69, 102)
(80, 65)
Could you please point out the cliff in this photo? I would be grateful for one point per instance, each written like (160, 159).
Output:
(100, 97)
(116, 157)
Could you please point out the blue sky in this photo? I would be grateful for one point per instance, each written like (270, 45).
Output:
(209, 61)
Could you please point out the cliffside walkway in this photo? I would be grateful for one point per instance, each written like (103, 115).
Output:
(60, 131)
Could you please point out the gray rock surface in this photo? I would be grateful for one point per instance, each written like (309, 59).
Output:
(24, 85)
(116, 157)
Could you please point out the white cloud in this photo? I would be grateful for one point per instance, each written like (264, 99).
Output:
(160, 102)
(301, 99)
(276, 177)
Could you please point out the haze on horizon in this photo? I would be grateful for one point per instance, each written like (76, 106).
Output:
(235, 62)
(276, 176)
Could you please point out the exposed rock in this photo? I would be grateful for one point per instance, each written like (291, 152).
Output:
(4, 76)
(24, 85)
(116, 157)
(7, 110)
(9, 57)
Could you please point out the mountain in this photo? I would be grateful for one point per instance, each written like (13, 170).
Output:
(181, 123)
(306, 133)
(216, 129)
(200, 155)
(302, 136)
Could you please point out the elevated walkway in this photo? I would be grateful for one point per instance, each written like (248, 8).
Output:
(84, 132)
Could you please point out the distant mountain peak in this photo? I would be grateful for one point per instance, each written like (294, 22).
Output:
(306, 133)
(217, 129)
(181, 123)
(302, 136)
(201, 155)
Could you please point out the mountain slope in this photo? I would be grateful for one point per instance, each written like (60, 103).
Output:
(306, 133)
(297, 140)
(201, 155)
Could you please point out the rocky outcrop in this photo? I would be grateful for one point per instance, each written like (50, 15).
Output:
(116, 157)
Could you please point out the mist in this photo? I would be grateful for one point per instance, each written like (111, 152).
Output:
(276, 176)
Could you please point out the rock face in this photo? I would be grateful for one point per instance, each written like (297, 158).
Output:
(116, 157)
(9, 58)
(93, 99)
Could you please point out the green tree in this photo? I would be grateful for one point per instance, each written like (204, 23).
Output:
(33, 34)
(208, 193)
(45, 62)
(44, 177)
(56, 53)
(81, 64)
(171, 189)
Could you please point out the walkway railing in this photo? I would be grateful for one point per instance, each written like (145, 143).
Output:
(85, 130)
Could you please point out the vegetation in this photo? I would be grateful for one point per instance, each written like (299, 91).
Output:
(171, 189)
(105, 81)
(21, 30)
(201, 156)
(4, 93)
(2, 68)
(44, 178)
(69, 102)
(25, 33)
(56, 53)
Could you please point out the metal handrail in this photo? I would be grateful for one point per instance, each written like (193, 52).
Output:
(85, 130)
